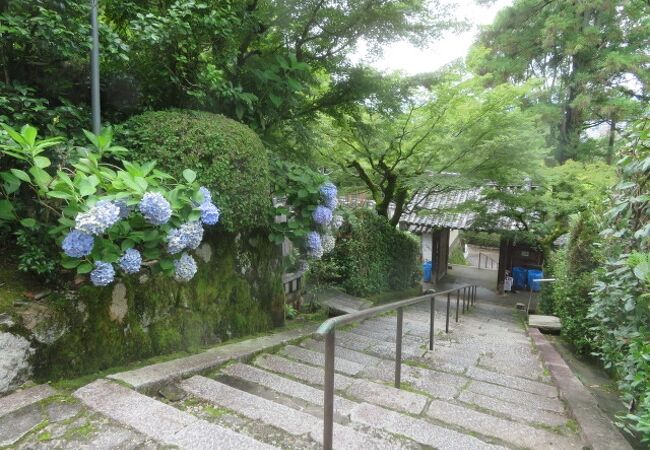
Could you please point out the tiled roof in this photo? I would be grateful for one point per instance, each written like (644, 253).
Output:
(441, 210)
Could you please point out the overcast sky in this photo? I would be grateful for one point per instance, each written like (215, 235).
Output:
(406, 58)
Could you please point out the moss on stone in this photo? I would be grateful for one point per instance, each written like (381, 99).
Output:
(237, 292)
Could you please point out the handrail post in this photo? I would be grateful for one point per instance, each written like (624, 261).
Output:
(464, 295)
(328, 411)
(398, 347)
(432, 314)
(473, 294)
(447, 321)
(457, 303)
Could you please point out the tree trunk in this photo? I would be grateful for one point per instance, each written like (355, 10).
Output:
(610, 143)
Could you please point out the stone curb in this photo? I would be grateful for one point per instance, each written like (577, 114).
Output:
(596, 429)
(150, 379)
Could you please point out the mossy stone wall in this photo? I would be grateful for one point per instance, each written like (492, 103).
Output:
(236, 292)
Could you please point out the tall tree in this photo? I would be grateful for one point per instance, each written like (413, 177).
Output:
(591, 54)
(453, 127)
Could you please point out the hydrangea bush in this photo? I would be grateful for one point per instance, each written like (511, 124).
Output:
(308, 205)
(110, 216)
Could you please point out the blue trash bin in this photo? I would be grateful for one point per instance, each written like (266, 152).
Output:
(534, 274)
(426, 269)
(519, 277)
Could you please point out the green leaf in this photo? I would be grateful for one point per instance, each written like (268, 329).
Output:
(127, 244)
(167, 264)
(69, 263)
(41, 177)
(59, 194)
(29, 134)
(21, 175)
(6, 210)
(42, 162)
(28, 222)
(85, 267)
(189, 175)
(86, 188)
(642, 271)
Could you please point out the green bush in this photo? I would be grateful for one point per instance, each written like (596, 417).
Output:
(481, 238)
(573, 268)
(229, 158)
(370, 257)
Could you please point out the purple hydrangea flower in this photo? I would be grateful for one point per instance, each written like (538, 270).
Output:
(175, 241)
(207, 196)
(103, 275)
(327, 242)
(322, 215)
(77, 244)
(98, 219)
(131, 261)
(314, 245)
(329, 193)
(209, 213)
(185, 268)
(155, 208)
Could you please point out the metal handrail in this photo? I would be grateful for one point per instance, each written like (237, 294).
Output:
(327, 330)
(487, 258)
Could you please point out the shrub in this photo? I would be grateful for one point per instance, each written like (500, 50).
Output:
(371, 256)
(621, 294)
(573, 268)
(228, 157)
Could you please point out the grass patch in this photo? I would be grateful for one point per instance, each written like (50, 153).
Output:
(44, 436)
(82, 431)
(214, 411)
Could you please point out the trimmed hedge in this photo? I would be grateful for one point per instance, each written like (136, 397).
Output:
(370, 257)
(228, 156)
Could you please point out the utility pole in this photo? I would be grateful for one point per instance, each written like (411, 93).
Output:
(94, 69)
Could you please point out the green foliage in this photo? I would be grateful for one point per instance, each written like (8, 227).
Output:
(299, 187)
(621, 294)
(229, 158)
(454, 125)
(37, 254)
(587, 52)
(481, 238)
(370, 257)
(457, 256)
(49, 201)
(573, 268)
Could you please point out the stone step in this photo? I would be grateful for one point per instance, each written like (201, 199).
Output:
(308, 374)
(515, 433)
(515, 396)
(159, 421)
(318, 359)
(344, 353)
(514, 411)
(360, 389)
(418, 430)
(523, 384)
(20, 399)
(387, 335)
(286, 386)
(294, 422)
(436, 384)
(377, 347)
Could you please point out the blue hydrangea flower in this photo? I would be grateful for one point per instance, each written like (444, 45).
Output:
(314, 245)
(327, 242)
(207, 196)
(131, 261)
(77, 244)
(103, 275)
(124, 208)
(193, 232)
(188, 235)
(98, 219)
(185, 268)
(209, 213)
(175, 241)
(155, 208)
(329, 193)
(322, 215)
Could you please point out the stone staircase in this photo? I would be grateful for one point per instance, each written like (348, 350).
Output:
(482, 387)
